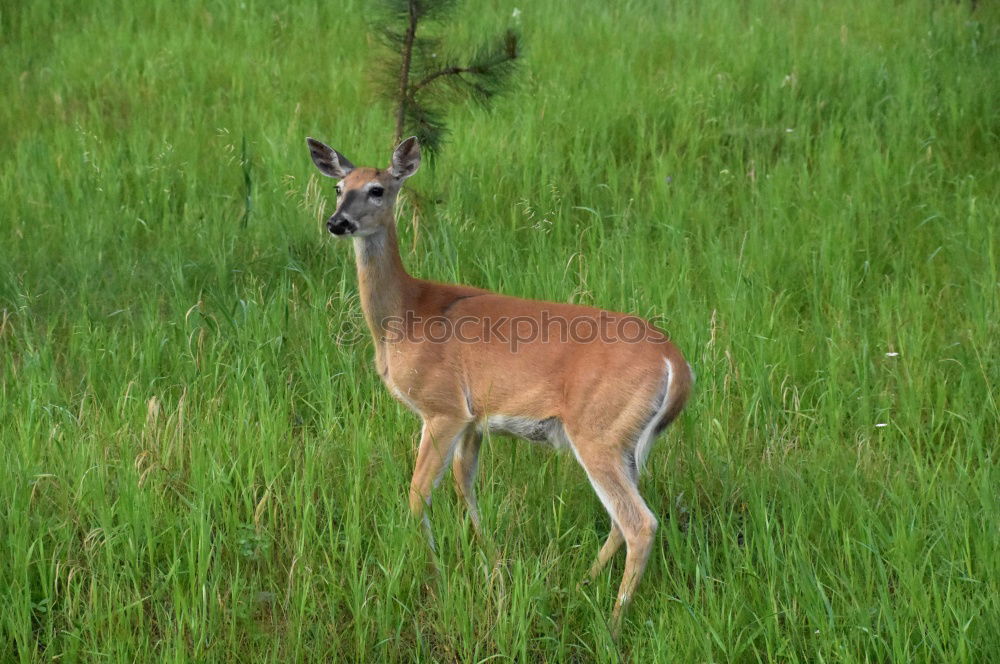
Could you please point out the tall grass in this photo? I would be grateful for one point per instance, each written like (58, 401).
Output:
(199, 465)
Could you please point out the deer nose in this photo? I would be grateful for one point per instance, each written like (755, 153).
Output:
(340, 224)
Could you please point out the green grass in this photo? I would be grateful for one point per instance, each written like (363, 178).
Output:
(193, 469)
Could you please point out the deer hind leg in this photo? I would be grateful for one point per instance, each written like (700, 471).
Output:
(464, 466)
(615, 538)
(615, 485)
(607, 552)
(438, 441)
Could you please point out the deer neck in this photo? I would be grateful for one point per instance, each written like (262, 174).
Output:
(382, 281)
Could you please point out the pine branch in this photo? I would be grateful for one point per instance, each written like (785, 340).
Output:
(487, 72)
(447, 71)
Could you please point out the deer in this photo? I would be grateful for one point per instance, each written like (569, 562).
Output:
(447, 352)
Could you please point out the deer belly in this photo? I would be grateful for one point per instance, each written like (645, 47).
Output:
(548, 430)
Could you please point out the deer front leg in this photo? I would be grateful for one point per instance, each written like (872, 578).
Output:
(438, 440)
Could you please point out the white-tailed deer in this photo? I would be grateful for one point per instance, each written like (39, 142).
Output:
(467, 360)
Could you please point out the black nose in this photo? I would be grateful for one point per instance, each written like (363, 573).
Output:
(340, 226)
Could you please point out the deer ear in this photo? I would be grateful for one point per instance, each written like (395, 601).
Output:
(329, 162)
(406, 159)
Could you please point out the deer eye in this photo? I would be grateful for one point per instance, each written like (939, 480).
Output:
(339, 189)
(376, 192)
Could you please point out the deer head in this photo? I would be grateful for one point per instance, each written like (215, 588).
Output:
(365, 196)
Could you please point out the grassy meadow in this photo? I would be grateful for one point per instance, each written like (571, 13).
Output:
(198, 462)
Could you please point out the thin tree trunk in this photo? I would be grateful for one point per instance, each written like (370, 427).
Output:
(404, 73)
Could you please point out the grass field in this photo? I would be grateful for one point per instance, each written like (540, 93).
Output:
(198, 462)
